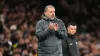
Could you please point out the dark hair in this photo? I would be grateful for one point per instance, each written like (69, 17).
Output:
(72, 23)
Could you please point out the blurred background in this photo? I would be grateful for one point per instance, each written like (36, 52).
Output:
(19, 17)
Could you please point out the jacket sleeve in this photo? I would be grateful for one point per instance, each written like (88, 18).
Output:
(40, 33)
(62, 32)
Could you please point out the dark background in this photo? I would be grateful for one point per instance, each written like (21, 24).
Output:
(19, 17)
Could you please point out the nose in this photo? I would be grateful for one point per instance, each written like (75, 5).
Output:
(52, 13)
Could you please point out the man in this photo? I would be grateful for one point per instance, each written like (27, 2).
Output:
(50, 31)
(70, 45)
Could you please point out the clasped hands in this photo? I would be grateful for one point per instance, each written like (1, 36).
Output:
(53, 26)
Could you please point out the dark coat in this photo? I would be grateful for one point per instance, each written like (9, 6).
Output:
(49, 40)
(70, 46)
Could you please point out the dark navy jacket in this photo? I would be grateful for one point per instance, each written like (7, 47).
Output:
(70, 46)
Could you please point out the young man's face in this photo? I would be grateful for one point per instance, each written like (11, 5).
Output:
(72, 29)
(50, 13)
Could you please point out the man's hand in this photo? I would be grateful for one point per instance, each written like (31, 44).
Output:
(55, 26)
(51, 26)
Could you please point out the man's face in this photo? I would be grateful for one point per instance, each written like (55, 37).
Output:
(72, 29)
(50, 13)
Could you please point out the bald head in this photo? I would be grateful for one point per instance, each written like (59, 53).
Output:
(49, 11)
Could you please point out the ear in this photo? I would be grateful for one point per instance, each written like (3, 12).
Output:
(45, 12)
(67, 28)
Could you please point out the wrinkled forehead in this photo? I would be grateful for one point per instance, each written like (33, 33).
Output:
(50, 9)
